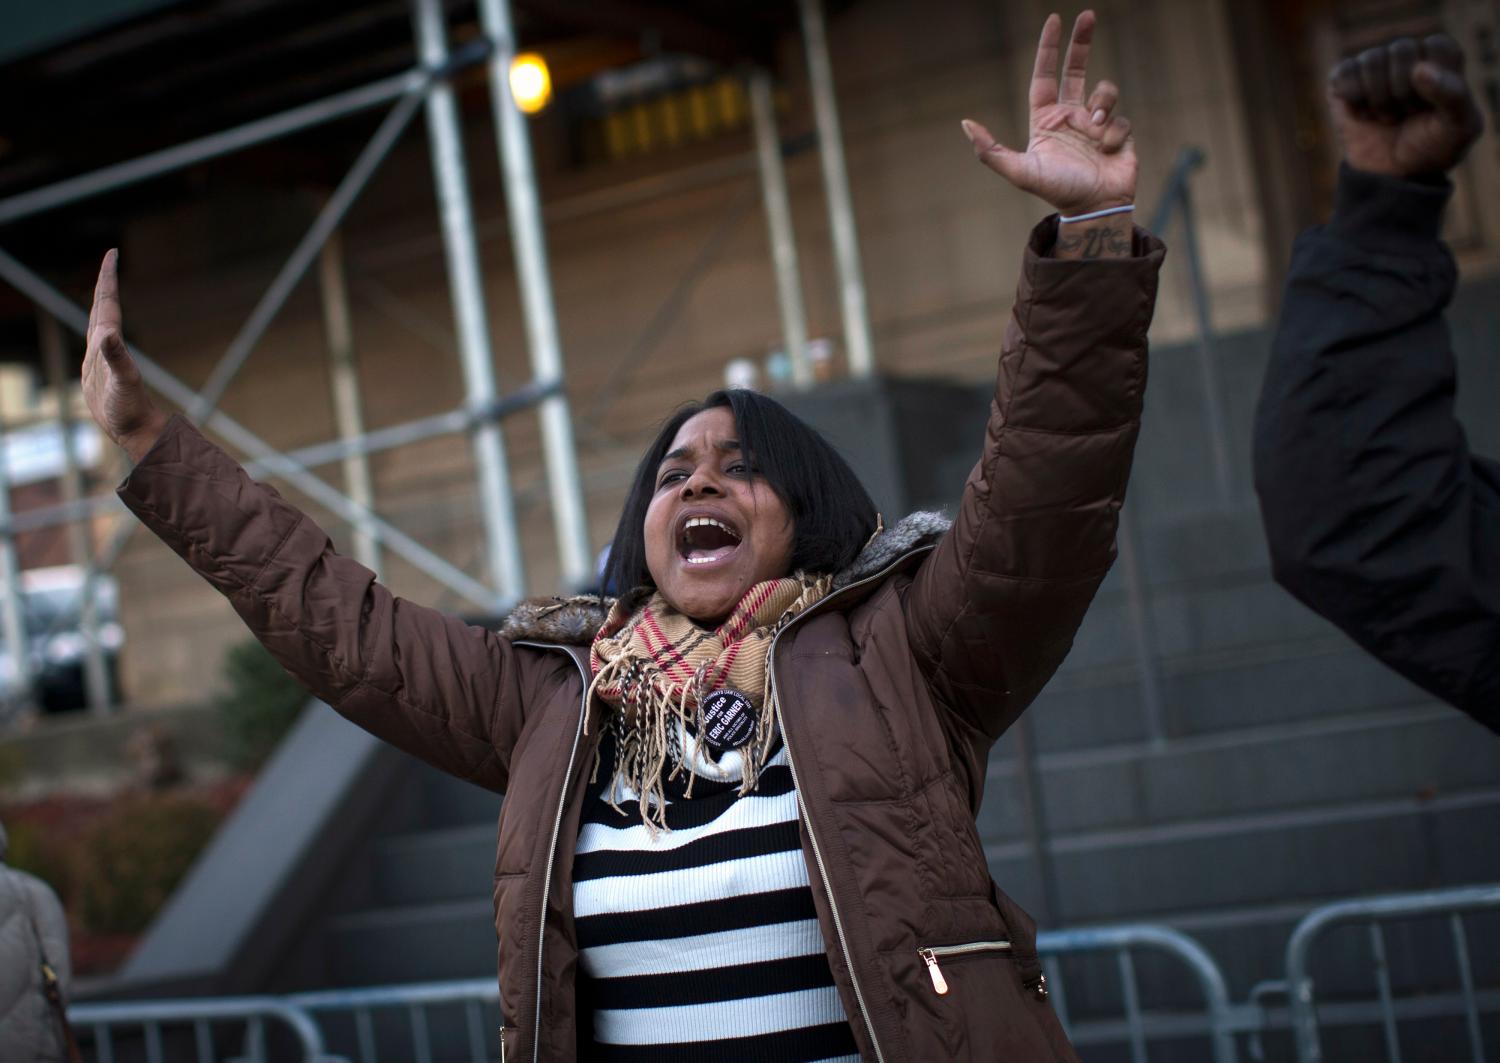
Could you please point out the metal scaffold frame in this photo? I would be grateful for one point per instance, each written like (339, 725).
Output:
(425, 87)
(483, 407)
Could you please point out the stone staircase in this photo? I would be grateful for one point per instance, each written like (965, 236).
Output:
(1294, 771)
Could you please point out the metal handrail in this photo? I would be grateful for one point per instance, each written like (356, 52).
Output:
(1177, 201)
(152, 1015)
(1372, 910)
(1120, 940)
(1174, 200)
(1175, 187)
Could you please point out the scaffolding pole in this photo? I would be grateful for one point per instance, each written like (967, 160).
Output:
(538, 309)
(343, 381)
(496, 507)
(836, 187)
(80, 533)
(12, 620)
(779, 225)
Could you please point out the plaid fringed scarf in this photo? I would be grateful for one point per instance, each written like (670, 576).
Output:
(655, 664)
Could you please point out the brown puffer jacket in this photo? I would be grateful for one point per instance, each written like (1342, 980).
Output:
(891, 690)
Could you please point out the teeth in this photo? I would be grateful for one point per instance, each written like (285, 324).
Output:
(710, 522)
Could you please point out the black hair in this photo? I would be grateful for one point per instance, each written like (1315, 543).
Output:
(832, 514)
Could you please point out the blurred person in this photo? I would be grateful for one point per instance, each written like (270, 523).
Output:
(1377, 514)
(34, 969)
(155, 760)
(740, 797)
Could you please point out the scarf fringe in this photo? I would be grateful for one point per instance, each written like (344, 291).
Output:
(649, 705)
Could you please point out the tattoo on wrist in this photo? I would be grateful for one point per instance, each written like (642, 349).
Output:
(1099, 241)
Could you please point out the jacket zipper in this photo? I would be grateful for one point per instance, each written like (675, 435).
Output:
(838, 923)
(932, 952)
(562, 801)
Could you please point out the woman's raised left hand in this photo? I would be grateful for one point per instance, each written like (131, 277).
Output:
(1080, 156)
(112, 386)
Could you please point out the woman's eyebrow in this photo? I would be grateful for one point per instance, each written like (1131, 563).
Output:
(687, 452)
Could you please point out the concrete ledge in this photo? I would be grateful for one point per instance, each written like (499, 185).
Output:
(252, 891)
(78, 752)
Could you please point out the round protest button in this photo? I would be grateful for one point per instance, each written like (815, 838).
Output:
(728, 719)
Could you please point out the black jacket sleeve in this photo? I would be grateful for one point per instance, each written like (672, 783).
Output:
(1378, 517)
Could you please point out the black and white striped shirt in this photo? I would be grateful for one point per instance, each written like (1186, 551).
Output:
(704, 943)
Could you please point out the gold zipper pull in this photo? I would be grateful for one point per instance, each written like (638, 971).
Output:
(938, 981)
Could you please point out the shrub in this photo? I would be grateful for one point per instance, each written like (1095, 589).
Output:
(30, 849)
(261, 705)
(133, 858)
(12, 766)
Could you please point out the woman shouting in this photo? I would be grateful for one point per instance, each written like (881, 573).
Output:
(740, 797)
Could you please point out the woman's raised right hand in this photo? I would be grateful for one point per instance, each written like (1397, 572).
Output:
(112, 385)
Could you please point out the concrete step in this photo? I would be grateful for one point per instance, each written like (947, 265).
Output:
(1193, 619)
(1213, 544)
(1408, 753)
(1423, 750)
(434, 865)
(1329, 851)
(413, 943)
(448, 801)
(1209, 693)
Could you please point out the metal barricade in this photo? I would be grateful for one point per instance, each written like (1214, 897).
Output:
(1218, 1023)
(1260, 995)
(98, 1023)
(472, 995)
(314, 1017)
(1373, 911)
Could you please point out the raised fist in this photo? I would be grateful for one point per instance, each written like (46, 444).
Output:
(1403, 109)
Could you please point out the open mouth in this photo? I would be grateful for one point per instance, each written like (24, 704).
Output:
(704, 540)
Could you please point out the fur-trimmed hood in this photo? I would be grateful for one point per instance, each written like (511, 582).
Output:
(574, 621)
